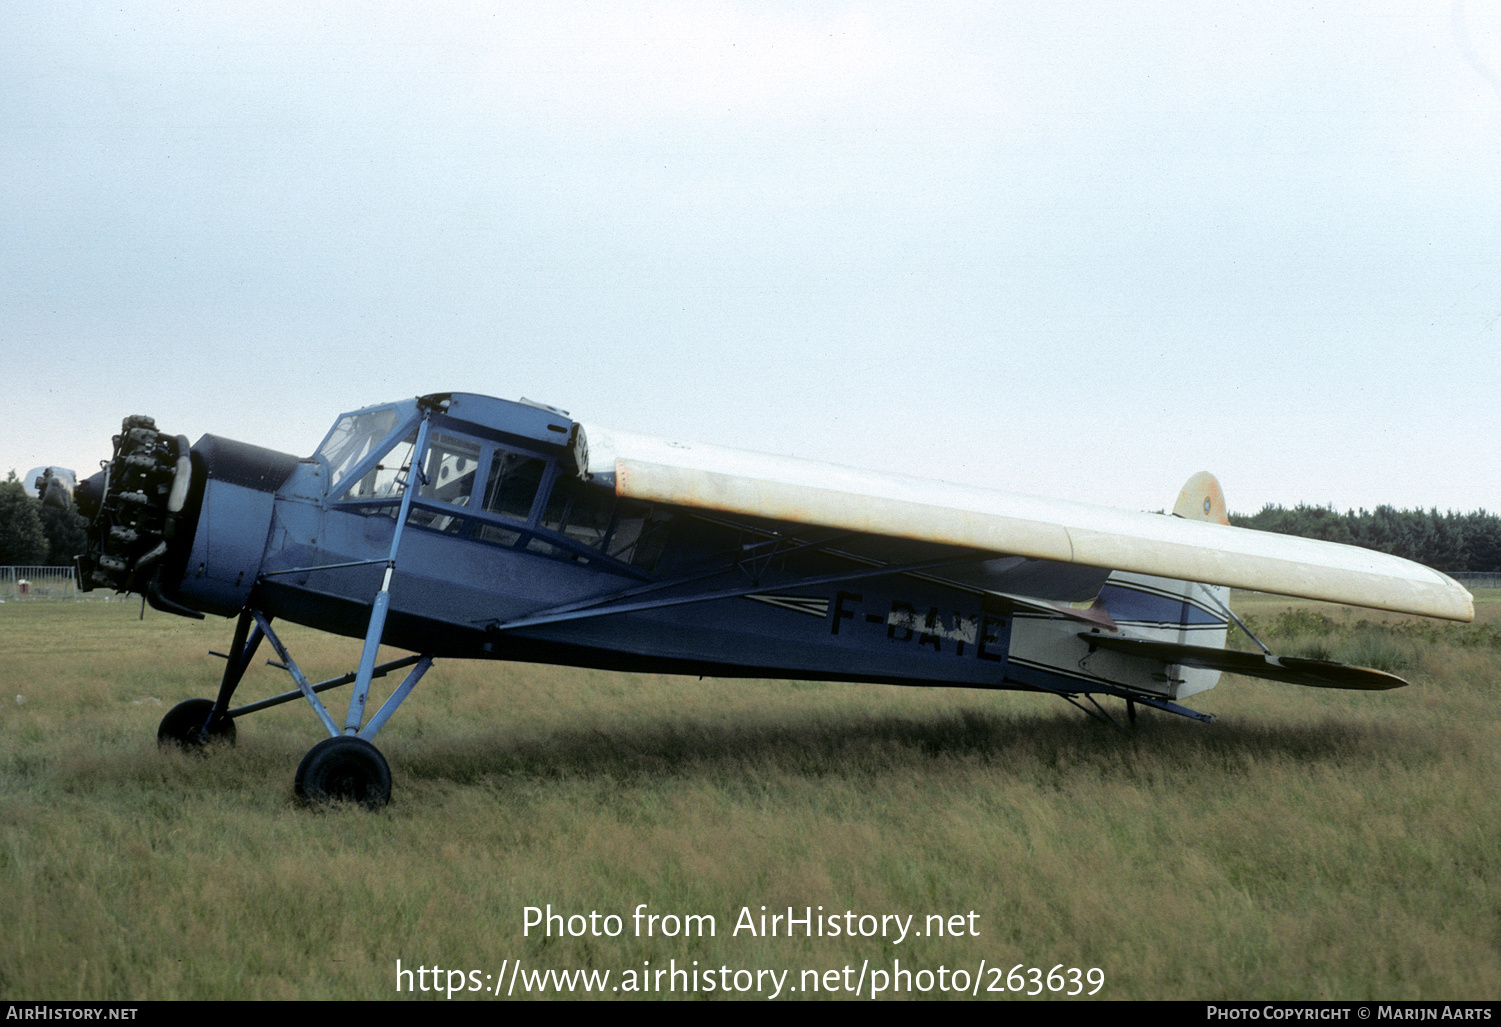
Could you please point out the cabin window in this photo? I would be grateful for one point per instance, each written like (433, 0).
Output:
(450, 470)
(582, 512)
(479, 484)
(452, 465)
(639, 534)
(626, 529)
(512, 486)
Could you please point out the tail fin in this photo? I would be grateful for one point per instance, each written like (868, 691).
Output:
(1165, 616)
(1202, 499)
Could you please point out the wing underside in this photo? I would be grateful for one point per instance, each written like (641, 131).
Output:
(828, 495)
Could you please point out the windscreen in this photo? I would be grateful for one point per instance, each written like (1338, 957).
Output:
(353, 438)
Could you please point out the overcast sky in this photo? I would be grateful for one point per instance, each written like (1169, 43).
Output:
(1075, 249)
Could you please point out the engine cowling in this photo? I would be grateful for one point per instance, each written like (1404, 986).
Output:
(185, 526)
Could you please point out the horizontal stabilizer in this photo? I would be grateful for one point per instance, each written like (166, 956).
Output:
(1294, 670)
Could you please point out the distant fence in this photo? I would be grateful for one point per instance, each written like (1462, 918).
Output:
(42, 583)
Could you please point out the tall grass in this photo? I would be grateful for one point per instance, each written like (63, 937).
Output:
(1314, 843)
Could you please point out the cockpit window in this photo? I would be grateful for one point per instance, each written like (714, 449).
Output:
(353, 438)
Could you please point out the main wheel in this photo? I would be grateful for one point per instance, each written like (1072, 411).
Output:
(346, 769)
(183, 723)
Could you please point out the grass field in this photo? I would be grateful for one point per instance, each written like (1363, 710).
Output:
(1313, 844)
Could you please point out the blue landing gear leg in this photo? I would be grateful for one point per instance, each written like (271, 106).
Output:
(343, 767)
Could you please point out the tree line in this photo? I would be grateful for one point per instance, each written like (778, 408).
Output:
(33, 534)
(1444, 541)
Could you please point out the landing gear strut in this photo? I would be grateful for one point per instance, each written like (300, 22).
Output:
(343, 767)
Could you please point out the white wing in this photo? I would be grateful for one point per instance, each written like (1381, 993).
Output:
(811, 492)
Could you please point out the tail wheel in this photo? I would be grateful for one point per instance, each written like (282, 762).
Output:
(344, 769)
(183, 726)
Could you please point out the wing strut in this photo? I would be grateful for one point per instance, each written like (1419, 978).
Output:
(559, 615)
(657, 586)
(1224, 608)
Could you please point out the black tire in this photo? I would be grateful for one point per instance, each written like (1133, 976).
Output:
(344, 769)
(183, 723)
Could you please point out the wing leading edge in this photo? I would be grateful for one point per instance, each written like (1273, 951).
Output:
(829, 495)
